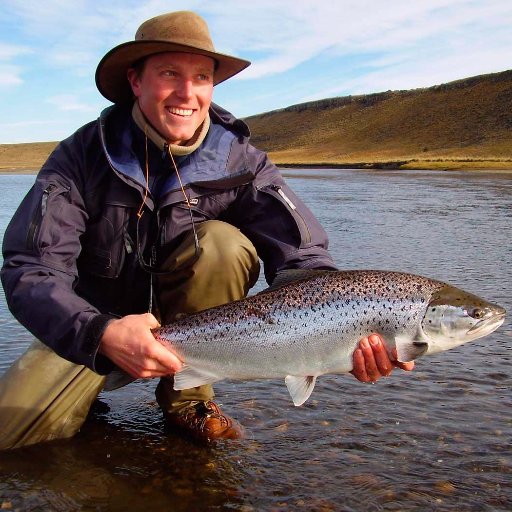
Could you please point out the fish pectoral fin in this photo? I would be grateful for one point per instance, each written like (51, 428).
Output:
(190, 377)
(408, 349)
(300, 387)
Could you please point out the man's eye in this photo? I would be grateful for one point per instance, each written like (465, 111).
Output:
(169, 73)
(204, 78)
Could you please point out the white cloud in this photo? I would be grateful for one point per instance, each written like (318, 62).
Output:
(329, 47)
(10, 74)
(9, 51)
(70, 103)
(277, 34)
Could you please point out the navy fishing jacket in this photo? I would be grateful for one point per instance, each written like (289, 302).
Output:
(70, 258)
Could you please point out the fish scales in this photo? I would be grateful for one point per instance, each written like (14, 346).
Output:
(306, 328)
(280, 325)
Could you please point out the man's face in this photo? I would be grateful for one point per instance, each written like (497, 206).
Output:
(174, 91)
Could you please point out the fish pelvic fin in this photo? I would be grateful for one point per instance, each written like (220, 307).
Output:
(408, 349)
(300, 387)
(190, 377)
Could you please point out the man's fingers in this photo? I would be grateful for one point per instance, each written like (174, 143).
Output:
(380, 353)
(372, 360)
(359, 371)
(372, 371)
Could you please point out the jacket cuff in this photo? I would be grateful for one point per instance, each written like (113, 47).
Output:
(93, 333)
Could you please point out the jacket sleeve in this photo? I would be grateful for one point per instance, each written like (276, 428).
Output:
(283, 229)
(40, 248)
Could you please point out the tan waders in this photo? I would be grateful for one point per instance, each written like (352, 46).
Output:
(44, 397)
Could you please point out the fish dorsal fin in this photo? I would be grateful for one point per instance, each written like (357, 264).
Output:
(300, 387)
(408, 349)
(189, 377)
(294, 274)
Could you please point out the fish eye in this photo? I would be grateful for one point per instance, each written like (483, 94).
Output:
(477, 313)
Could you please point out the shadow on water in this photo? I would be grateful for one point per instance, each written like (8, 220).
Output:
(436, 439)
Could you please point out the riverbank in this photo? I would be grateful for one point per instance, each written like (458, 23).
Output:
(28, 158)
(443, 165)
(427, 165)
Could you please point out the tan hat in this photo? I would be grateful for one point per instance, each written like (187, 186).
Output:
(181, 31)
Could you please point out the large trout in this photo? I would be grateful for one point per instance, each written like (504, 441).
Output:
(311, 326)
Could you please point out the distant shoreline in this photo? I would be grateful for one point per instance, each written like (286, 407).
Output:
(438, 165)
(15, 170)
(503, 166)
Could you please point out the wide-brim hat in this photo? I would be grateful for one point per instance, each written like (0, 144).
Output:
(181, 31)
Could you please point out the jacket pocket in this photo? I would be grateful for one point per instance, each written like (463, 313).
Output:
(106, 242)
(39, 231)
(283, 195)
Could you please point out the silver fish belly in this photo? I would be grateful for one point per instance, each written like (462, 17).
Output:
(311, 326)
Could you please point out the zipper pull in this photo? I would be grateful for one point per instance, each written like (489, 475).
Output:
(128, 244)
(286, 199)
(44, 201)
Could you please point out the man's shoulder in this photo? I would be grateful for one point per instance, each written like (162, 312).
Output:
(220, 116)
(83, 136)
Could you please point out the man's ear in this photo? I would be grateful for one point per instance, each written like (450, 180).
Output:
(134, 79)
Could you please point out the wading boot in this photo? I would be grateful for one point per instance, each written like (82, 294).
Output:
(193, 413)
(204, 421)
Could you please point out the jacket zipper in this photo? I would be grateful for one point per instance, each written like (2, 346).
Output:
(38, 217)
(292, 207)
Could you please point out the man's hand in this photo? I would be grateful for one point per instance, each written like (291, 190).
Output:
(373, 361)
(129, 343)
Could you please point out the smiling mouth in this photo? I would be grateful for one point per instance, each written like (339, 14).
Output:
(182, 112)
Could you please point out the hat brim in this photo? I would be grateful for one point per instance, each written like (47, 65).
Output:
(111, 78)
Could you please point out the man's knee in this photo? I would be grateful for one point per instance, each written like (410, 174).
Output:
(224, 244)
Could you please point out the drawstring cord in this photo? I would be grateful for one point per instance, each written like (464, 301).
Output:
(149, 268)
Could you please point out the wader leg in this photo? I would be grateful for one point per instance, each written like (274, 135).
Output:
(44, 397)
(227, 267)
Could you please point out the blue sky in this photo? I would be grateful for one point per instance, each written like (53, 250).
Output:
(301, 50)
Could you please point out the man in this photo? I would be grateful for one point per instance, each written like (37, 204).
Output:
(158, 209)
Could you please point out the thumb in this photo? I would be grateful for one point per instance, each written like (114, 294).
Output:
(168, 358)
(152, 322)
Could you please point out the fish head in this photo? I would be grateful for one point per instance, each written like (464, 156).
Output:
(454, 317)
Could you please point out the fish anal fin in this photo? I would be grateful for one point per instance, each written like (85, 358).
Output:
(300, 387)
(408, 349)
(191, 377)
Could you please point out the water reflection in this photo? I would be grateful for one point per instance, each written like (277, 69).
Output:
(436, 439)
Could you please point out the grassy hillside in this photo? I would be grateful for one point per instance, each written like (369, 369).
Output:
(462, 124)
(24, 157)
(467, 123)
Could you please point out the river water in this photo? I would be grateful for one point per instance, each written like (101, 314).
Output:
(438, 438)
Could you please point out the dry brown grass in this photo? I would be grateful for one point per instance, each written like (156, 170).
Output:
(465, 124)
(24, 157)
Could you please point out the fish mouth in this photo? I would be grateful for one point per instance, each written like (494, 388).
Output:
(487, 325)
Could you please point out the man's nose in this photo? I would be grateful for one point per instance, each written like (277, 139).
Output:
(185, 88)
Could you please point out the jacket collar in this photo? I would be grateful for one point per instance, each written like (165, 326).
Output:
(207, 167)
